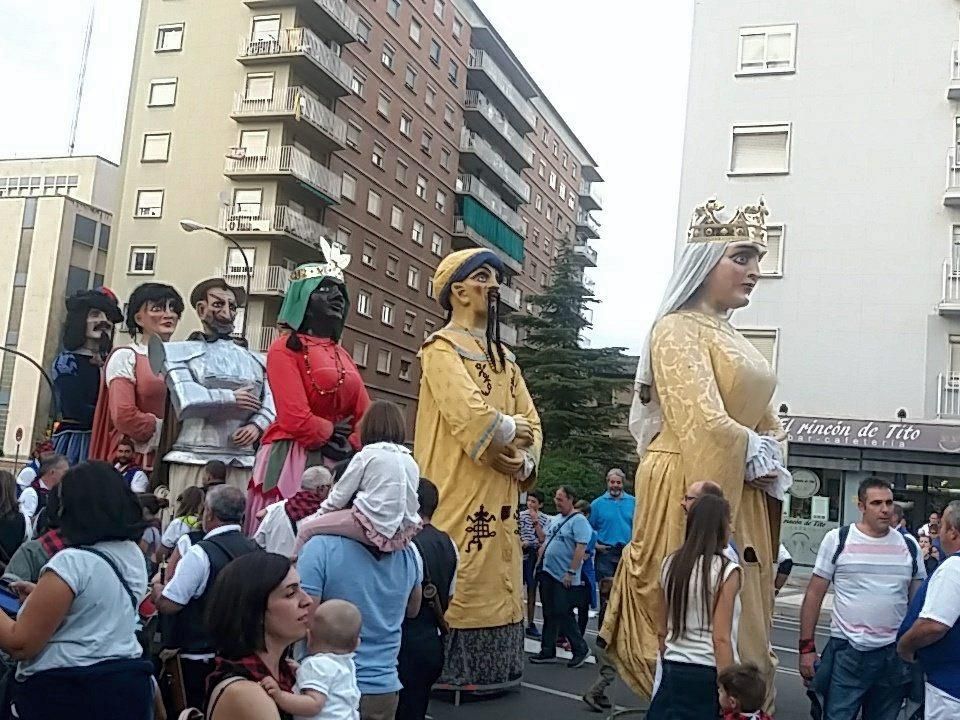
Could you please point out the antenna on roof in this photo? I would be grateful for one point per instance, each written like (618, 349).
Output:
(80, 79)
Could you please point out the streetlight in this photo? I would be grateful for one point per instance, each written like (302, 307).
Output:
(193, 226)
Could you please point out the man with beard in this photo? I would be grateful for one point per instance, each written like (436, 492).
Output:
(87, 340)
(218, 392)
(125, 464)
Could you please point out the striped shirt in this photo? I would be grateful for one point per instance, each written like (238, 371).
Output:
(871, 582)
(528, 534)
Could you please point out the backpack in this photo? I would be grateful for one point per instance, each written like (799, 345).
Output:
(842, 542)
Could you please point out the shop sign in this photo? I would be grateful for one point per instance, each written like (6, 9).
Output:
(802, 537)
(901, 435)
(806, 483)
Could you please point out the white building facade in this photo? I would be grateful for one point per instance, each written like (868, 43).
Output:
(848, 123)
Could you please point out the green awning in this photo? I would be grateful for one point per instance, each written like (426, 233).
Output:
(492, 228)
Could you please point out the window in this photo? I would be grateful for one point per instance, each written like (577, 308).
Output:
(363, 31)
(457, 27)
(373, 203)
(343, 239)
(436, 244)
(104, 243)
(396, 218)
(536, 236)
(393, 262)
(764, 340)
(259, 86)
(142, 260)
(549, 211)
(353, 135)
(348, 188)
(421, 187)
(247, 202)
(368, 257)
(413, 277)
(542, 170)
(553, 180)
(169, 37)
(410, 77)
(415, 28)
(438, 8)
(417, 233)
(378, 155)
(441, 203)
(383, 362)
(386, 313)
(254, 142)
(428, 327)
(767, 50)
(358, 82)
(448, 115)
(573, 170)
(543, 279)
(393, 8)
(162, 92)
(563, 191)
(84, 230)
(434, 51)
(387, 56)
(452, 70)
(156, 147)
(564, 161)
(430, 287)
(431, 96)
(760, 150)
(571, 203)
(363, 303)
(426, 139)
(409, 318)
(445, 158)
(265, 29)
(406, 125)
(405, 370)
(538, 203)
(546, 245)
(556, 148)
(401, 174)
(149, 204)
(383, 105)
(771, 265)
(361, 351)
(544, 136)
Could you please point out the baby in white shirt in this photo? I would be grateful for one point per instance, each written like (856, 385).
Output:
(326, 687)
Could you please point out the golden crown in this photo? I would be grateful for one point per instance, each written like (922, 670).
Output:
(748, 224)
(335, 262)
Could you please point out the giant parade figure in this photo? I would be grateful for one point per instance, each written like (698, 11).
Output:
(219, 395)
(478, 438)
(702, 411)
(319, 394)
(87, 341)
(132, 396)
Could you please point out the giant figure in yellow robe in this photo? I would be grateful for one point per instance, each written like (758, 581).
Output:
(478, 438)
(702, 412)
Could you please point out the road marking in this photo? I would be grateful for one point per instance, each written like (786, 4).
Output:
(561, 693)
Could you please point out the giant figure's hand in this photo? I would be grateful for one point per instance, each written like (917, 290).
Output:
(523, 437)
(246, 398)
(246, 435)
(509, 461)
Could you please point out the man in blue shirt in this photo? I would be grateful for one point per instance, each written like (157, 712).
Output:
(611, 515)
(386, 588)
(561, 558)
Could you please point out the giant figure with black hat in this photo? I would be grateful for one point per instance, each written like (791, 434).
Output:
(219, 396)
(478, 438)
(87, 340)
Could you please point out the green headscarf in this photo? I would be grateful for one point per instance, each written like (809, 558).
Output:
(303, 281)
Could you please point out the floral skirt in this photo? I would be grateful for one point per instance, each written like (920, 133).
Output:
(484, 656)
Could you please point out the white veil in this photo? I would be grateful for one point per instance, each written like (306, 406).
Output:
(694, 264)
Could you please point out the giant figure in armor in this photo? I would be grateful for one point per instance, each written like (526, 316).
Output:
(322, 397)
(478, 437)
(218, 393)
(87, 340)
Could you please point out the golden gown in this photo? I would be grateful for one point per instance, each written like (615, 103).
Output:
(713, 385)
(461, 404)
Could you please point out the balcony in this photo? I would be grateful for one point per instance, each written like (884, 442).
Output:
(481, 115)
(950, 296)
(508, 334)
(510, 297)
(584, 255)
(270, 280)
(485, 75)
(589, 284)
(479, 158)
(261, 338)
(953, 89)
(470, 185)
(587, 227)
(332, 18)
(590, 198)
(286, 162)
(948, 396)
(269, 222)
(310, 56)
(298, 106)
(466, 235)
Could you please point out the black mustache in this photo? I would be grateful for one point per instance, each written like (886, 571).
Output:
(103, 326)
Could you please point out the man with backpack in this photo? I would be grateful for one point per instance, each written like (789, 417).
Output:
(874, 570)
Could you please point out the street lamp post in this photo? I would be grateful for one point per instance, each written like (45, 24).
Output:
(193, 226)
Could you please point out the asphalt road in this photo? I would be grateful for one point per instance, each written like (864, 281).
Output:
(552, 692)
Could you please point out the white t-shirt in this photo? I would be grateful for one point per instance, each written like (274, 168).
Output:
(101, 622)
(175, 530)
(275, 533)
(336, 677)
(695, 646)
(942, 603)
(871, 584)
(783, 555)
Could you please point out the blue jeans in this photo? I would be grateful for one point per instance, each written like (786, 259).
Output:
(607, 561)
(876, 680)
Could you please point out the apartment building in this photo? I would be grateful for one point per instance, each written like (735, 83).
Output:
(56, 216)
(844, 123)
(398, 129)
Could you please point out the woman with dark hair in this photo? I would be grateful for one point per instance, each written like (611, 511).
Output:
(132, 397)
(700, 615)
(75, 634)
(255, 613)
(13, 525)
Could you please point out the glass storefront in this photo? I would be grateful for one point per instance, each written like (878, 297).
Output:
(810, 511)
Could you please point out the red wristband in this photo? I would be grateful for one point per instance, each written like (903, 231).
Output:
(808, 646)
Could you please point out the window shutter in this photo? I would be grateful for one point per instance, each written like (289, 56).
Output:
(770, 264)
(759, 152)
(765, 341)
(955, 354)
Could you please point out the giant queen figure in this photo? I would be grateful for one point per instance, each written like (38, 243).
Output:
(478, 438)
(702, 411)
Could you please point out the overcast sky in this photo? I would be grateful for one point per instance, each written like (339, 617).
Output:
(618, 78)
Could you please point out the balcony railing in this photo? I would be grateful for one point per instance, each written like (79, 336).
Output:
(297, 102)
(481, 61)
(285, 160)
(476, 100)
(337, 10)
(260, 338)
(587, 225)
(586, 254)
(298, 41)
(948, 397)
(271, 221)
(590, 197)
(471, 142)
(269, 280)
(494, 203)
(510, 297)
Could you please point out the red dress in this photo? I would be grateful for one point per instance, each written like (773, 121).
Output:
(313, 389)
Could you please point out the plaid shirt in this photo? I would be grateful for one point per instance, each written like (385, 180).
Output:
(52, 542)
(528, 534)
